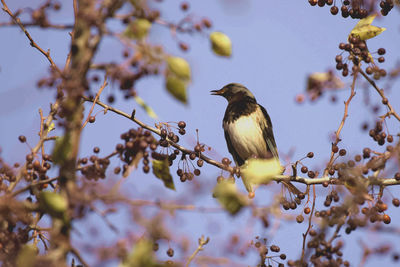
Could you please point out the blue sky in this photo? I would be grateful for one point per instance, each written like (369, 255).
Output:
(276, 44)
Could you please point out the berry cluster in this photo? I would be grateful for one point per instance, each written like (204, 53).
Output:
(356, 9)
(358, 51)
(380, 136)
(263, 250)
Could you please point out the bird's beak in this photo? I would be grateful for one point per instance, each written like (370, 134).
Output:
(217, 92)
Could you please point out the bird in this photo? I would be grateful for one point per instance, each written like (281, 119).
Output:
(247, 128)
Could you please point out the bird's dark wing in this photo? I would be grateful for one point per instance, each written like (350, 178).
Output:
(239, 161)
(268, 134)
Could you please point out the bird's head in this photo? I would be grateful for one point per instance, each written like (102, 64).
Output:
(234, 92)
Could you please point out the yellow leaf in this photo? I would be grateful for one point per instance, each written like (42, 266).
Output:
(221, 44)
(146, 107)
(161, 171)
(179, 66)
(364, 30)
(177, 88)
(53, 203)
(259, 171)
(27, 256)
(141, 255)
(52, 126)
(229, 197)
(138, 29)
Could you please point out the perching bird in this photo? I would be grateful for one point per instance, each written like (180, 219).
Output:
(248, 128)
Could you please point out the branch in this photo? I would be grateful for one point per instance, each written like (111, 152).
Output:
(32, 24)
(158, 132)
(43, 138)
(19, 191)
(32, 42)
(279, 178)
(345, 115)
(202, 243)
(380, 92)
(303, 250)
(94, 101)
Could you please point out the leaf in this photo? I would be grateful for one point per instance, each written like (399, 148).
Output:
(142, 255)
(138, 29)
(27, 256)
(146, 107)
(52, 126)
(161, 171)
(177, 88)
(364, 30)
(179, 66)
(229, 197)
(259, 171)
(62, 149)
(221, 44)
(53, 203)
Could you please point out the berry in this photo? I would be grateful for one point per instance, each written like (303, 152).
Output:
(22, 138)
(200, 162)
(92, 119)
(170, 252)
(334, 10)
(181, 124)
(310, 154)
(299, 218)
(307, 210)
(96, 149)
(226, 161)
(342, 152)
(304, 169)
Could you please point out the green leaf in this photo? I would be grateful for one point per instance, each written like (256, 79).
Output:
(221, 44)
(62, 149)
(27, 256)
(146, 107)
(179, 66)
(364, 30)
(142, 255)
(259, 171)
(53, 203)
(161, 171)
(138, 29)
(229, 197)
(177, 88)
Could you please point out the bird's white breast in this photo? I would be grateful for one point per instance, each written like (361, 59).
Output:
(246, 135)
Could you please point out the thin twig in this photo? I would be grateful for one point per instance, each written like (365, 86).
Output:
(78, 255)
(47, 128)
(345, 115)
(32, 42)
(19, 191)
(309, 226)
(202, 243)
(94, 101)
(381, 93)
